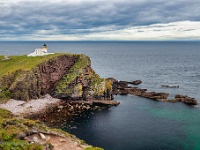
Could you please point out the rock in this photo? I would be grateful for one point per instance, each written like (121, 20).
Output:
(6, 58)
(62, 140)
(60, 107)
(122, 88)
(105, 103)
(35, 139)
(154, 95)
(122, 91)
(170, 86)
(186, 99)
(122, 84)
(136, 82)
(42, 136)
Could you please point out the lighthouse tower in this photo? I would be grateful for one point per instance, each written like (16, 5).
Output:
(44, 49)
(40, 52)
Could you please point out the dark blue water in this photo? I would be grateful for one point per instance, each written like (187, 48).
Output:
(137, 123)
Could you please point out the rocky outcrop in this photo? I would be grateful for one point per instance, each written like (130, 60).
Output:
(66, 111)
(186, 99)
(136, 82)
(66, 76)
(170, 86)
(123, 88)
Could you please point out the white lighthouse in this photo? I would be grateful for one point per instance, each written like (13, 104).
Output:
(40, 52)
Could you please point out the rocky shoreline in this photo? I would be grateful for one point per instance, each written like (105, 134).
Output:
(65, 111)
(53, 112)
(57, 89)
(123, 88)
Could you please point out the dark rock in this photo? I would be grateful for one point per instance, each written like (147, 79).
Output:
(122, 88)
(105, 103)
(136, 82)
(122, 84)
(186, 99)
(170, 86)
(154, 95)
(122, 91)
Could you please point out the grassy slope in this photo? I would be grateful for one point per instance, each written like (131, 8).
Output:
(9, 126)
(22, 63)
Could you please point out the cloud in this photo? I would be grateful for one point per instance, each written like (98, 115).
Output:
(184, 30)
(76, 19)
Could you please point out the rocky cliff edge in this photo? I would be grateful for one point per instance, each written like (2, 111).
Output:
(66, 76)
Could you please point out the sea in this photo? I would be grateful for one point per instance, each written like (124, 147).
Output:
(137, 123)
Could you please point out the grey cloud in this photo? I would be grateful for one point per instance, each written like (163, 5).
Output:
(29, 17)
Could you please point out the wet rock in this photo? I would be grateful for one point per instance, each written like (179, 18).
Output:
(170, 86)
(154, 95)
(186, 99)
(105, 103)
(122, 88)
(136, 82)
(122, 91)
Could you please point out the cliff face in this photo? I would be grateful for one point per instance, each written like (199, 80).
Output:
(64, 76)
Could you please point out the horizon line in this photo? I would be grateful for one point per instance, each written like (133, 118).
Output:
(179, 40)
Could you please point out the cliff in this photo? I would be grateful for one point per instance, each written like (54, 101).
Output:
(66, 76)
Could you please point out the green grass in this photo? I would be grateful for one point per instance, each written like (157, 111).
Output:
(22, 63)
(10, 127)
(74, 72)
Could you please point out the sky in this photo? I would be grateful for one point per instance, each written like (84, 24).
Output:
(99, 20)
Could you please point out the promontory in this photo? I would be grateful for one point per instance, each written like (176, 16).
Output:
(63, 76)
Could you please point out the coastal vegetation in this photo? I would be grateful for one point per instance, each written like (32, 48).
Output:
(60, 75)
(22, 63)
(14, 132)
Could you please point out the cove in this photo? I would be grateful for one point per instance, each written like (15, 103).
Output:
(140, 123)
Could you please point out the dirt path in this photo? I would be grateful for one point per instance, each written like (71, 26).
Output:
(58, 142)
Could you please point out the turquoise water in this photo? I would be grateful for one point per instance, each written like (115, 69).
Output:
(137, 123)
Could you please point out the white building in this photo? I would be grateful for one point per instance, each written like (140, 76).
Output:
(40, 52)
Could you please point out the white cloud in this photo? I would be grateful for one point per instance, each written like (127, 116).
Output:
(186, 30)
(183, 30)
(99, 19)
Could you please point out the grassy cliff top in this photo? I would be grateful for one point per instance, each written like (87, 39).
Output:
(24, 63)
